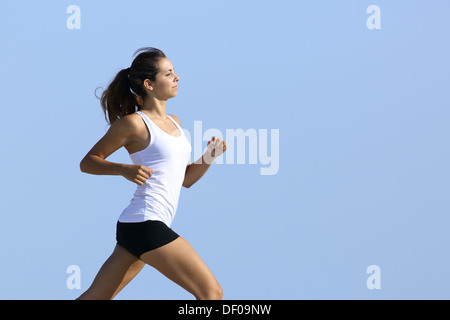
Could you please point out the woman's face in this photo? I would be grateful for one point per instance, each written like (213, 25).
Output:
(165, 85)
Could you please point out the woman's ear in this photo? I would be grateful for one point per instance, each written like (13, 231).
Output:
(148, 84)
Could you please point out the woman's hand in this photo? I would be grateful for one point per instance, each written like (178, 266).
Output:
(215, 148)
(137, 173)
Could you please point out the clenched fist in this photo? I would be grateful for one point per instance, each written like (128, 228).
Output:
(137, 173)
(215, 148)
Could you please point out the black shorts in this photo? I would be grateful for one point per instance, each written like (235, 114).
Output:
(140, 237)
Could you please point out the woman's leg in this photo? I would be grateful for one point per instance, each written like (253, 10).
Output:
(120, 268)
(179, 262)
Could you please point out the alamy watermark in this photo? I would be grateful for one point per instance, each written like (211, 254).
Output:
(374, 280)
(74, 280)
(252, 143)
(73, 22)
(374, 20)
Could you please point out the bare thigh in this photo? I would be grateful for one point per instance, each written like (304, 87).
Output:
(117, 271)
(179, 262)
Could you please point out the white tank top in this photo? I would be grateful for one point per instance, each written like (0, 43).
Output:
(168, 156)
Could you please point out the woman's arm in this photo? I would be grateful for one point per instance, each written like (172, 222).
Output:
(121, 133)
(197, 169)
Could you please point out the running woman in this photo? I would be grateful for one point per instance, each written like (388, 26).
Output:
(135, 107)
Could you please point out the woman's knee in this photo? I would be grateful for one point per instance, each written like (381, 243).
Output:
(212, 292)
(92, 295)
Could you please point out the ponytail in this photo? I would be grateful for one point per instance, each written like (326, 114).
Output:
(125, 95)
(118, 100)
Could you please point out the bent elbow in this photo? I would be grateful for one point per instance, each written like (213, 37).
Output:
(187, 186)
(83, 165)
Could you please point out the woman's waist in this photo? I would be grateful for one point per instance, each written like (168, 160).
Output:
(162, 203)
(153, 192)
(161, 183)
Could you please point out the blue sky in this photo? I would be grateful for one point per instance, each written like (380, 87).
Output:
(362, 116)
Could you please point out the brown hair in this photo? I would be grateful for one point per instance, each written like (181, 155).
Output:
(125, 95)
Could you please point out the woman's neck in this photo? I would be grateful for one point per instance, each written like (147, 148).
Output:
(157, 108)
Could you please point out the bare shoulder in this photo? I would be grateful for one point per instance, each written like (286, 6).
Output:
(131, 124)
(133, 120)
(174, 117)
